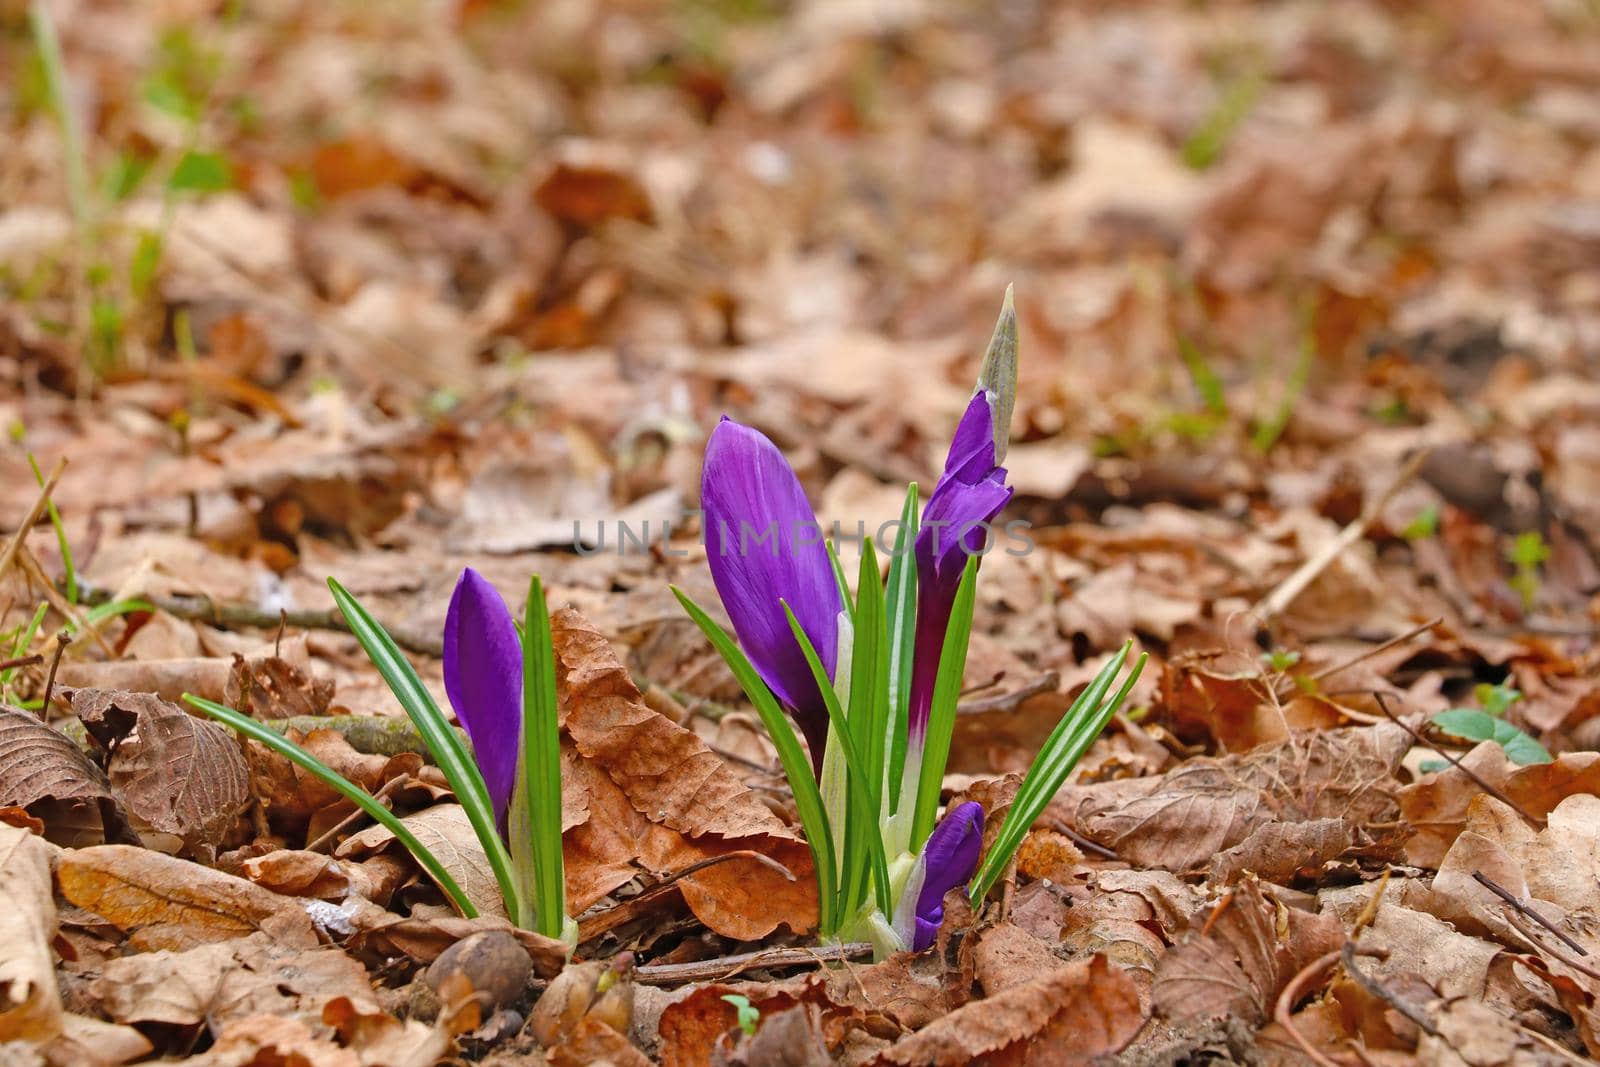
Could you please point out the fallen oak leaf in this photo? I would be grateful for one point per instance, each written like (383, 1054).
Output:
(162, 902)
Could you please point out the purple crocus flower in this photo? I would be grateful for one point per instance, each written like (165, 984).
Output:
(970, 493)
(483, 678)
(948, 860)
(765, 549)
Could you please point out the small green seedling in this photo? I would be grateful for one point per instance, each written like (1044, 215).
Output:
(1424, 526)
(1488, 724)
(1280, 659)
(749, 1015)
(1526, 554)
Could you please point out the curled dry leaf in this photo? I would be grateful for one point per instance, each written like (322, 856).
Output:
(1552, 870)
(381, 1040)
(1252, 947)
(50, 778)
(177, 774)
(640, 793)
(1282, 852)
(30, 1004)
(162, 902)
(446, 832)
(1184, 818)
(424, 937)
(1436, 807)
(1069, 1016)
(227, 980)
(275, 688)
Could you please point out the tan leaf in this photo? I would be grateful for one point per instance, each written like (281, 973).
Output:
(227, 980)
(1069, 1016)
(1281, 852)
(30, 1005)
(1191, 813)
(445, 831)
(177, 774)
(167, 903)
(298, 873)
(42, 771)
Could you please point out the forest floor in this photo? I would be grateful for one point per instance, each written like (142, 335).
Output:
(1309, 302)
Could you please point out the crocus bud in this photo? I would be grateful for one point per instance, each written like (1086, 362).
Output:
(947, 860)
(483, 678)
(997, 381)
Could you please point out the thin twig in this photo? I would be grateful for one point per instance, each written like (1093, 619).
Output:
(1328, 672)
(30, 565)
(1517, 904)
(63, 639)
(9, 555)
(595, 923)
(1274, 603)
(1284, 1010)
(382, 796)
(1456, 763)
(1082, 842)
(228, 616)
(1347, 956)
(666, 974)
(1528, 931)
(21, 661)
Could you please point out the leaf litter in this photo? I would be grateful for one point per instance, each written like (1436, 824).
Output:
(1307, 411)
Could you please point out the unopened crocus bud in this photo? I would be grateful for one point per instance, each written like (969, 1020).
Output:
(997, 380)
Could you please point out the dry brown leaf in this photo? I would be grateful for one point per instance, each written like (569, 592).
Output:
(445, 831)
(166, 903)
(227, 980)
(291, 794)
(640, 792)
(587, 195)
(30, 1004)
(1191, 813)
(1282, 852)
(43, 772)
(298, 873)
(260, 1040)
(424, 936)
(177, 774)
(1069, 1016)
(1007, 956)
(84, 1040)
(275, 688)
(1253, 946)
(381, 1040)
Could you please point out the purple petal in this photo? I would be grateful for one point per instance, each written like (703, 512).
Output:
(765, 549)
(483, 677)
(949, 858)
(970, 493)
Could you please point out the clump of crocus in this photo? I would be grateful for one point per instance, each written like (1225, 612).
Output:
(872, 681)
(502, 685)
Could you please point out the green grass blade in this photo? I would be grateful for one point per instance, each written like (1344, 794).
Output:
(101, 612)
(25, 636)
(942, 714)
(869, 674)
(796, 765)
(61, 536)
(1067, 743)
(539, 774)
(839, 579)
(900, 609)
(460, 770)
(345, 788)
(862, 779)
